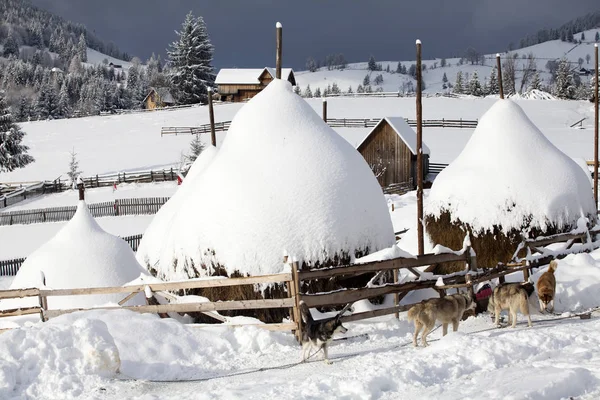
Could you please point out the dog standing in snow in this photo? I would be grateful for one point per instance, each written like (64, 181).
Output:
(449, 309)
(546, 288)
(512, 297)
(318, 334)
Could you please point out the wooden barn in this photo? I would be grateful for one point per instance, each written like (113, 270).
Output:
(158, 98)
(390, 149)
(239, 84)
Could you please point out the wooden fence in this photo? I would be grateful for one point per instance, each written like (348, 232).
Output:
(332, 122)
(467, 279)
(436, 168)
(135, 206)
(11, 267)
(18, 194)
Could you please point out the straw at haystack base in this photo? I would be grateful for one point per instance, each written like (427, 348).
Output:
(491, 246)
(271, 291)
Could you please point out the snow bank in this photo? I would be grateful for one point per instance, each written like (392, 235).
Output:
(44, 360)
(282, 180)
(508, 174)
(80, 255)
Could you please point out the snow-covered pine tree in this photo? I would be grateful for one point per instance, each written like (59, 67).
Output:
(474, 85)
(47, 104)
(74, 171)
(317, 92)
(597, 37)
(350, 90)
(11, 47)
(444, 81)
(335, 89)
(24, 109)
(82, 48)
(190, 58)
(196, 147)
(564, 87)
(13, 154)
(360, 89)
(311, 65)
(64, 106)
(366, 80)
(536, 83)
(493, 87)
(378, 79)
(297, 90)
(399, 68)
(308, 92)
(372, 64)
(458, 85)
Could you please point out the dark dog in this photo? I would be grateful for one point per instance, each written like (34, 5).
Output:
(319, 333)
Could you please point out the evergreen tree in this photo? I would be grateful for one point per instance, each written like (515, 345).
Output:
(13, 154)
(536, 83)
(335, 89)
(47, 103)
(360, 89)
(317, 92)
(190, 58)
(582, 36)
(367, 80)
(24, 109)
(64, 108)
(443, 62)
(564, 87)
(378, 79)
(372, 64)
(597, 37)
(444, 81)
(74, 171)
(412, 71)
(350, 90)
(297, 90)
(11, 47)
(311, 65)
(458, 85)
(474, 85)
(82, 48)
(308, 92)
(196, 148)
(399, 68)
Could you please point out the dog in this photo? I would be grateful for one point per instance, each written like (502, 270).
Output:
(512, 297)
(318, 334)
(546, 287)
(445, 309)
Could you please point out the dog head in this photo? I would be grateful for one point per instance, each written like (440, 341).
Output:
(337, 326)
(545, 299)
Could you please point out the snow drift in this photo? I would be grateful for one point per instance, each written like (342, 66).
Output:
(511, 176)
(282, 181)
(80, 255)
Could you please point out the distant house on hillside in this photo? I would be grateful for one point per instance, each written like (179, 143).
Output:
(239, 84)
(115, 65)
(158, 98)
(390, 149)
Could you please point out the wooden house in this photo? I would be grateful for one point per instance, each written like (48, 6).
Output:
(158, 98)
(390, 149)
(239, 84)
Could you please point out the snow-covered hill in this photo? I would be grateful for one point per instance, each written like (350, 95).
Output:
(354, 74)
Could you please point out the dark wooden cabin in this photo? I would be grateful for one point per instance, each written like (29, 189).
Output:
(240, 84)
(390, 149)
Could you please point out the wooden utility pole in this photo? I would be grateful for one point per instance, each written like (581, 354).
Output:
(325, 110)
(420, 234)
(596, 126)
(279, 50)
(81, 188)
(211, 114)
(500, 75)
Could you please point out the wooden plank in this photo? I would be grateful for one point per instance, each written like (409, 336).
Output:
(346, 296)
(375, 313)
(189, 307)
(285, 326)
(418, 261)
(20, 311)
(561, 237)
(19, 293)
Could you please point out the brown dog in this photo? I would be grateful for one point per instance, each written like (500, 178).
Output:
(546, 288)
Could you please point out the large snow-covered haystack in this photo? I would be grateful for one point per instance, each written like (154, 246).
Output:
(283, 181)
(508, 181)
(80, 255)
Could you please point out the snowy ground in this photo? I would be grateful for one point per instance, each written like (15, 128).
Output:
(62, 358)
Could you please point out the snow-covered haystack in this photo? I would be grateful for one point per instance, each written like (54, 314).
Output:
(283, 181)
(509, 181)
(80, 255)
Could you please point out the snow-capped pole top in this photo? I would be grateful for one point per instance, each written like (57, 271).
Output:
(595, 44)
(497, 54)
(278, 25)
(209, 90)
(533, 180)
(79, 180)
(418, 41)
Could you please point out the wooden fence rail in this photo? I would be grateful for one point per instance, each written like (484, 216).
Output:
(11, 267)
(332, 122)
(134, 206)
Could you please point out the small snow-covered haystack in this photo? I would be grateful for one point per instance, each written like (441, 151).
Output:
(508, 182)
(80, 255)
(282, 181)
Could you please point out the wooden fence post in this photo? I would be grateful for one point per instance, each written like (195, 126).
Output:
(279, 29)
(325, 110)
(211, 116)
(420, 233)
(499, 64)
(396, 296)
(298, 316)
(43, 300)
(596, 94)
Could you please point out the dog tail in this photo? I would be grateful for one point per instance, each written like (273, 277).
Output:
(553, 266)
(306, 317)
(413, 312)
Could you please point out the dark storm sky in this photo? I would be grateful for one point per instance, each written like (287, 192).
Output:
(243, 31)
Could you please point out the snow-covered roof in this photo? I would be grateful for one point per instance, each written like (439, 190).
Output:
(163, 93)
(80, 255)
(403, 130)
(279, 183)
(247, 76)
(509, 173)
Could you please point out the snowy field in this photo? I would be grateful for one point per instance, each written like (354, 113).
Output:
(77, 355)
(106, 144)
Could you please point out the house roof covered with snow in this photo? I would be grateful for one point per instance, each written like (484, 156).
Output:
(163, 93)
(80, 255)
(510, 175)
(403, 130)
(248, 76)
(279, 183)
